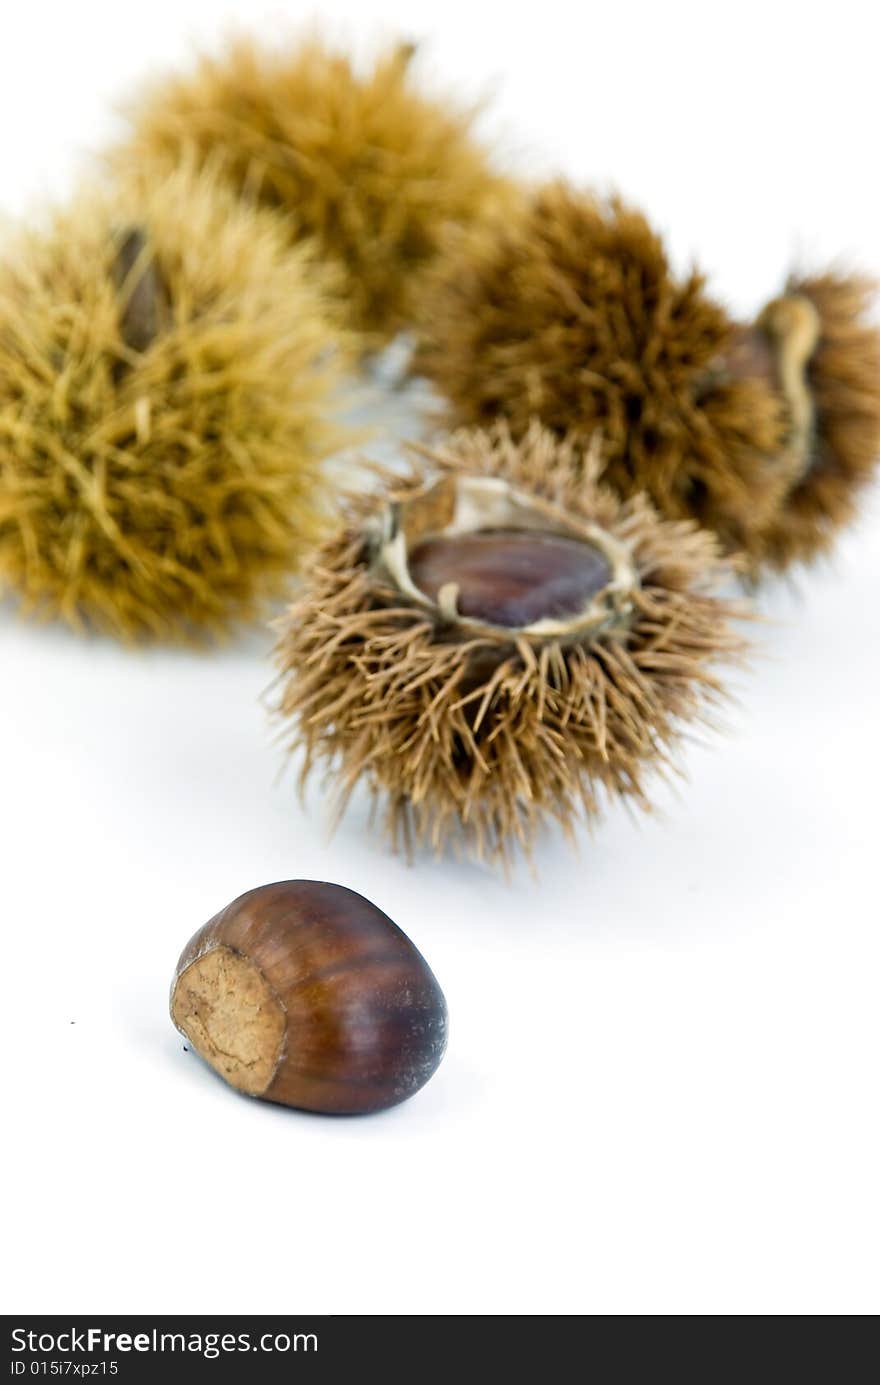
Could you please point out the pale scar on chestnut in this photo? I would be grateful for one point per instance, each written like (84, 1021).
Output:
(224, 1004)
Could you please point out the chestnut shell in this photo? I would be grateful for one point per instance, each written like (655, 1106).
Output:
(323, 994)
(511, 578)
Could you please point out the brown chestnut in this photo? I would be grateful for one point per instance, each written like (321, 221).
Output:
(508, 578)
(144, 291)
(305, 993)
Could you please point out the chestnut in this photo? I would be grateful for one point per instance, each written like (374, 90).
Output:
(510, 578)
(305, 993)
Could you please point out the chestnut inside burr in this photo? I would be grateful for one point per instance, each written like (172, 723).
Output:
(145, 299)
(510, 577)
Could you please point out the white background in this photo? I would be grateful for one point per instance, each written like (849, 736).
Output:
(661, 1089)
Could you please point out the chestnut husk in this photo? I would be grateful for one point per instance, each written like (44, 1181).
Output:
(472, 708)
(568, 311)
